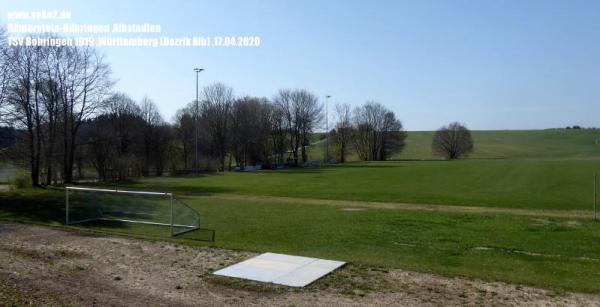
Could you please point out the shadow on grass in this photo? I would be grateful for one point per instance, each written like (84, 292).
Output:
(164, 187)
(417, 160)
(202, 234)
(38, 206)
(144, 230)
(47, 207)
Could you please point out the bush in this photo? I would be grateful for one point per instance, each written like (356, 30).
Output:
(20, 180)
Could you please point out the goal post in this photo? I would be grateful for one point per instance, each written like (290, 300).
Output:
(88, 205)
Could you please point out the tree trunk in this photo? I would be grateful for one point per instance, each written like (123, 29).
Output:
(34, 167)
(230, 162)
(295, 151)
(304, 156)
(49, 159)
(70, 159)
(222, 158)
(65, 146)
(342, 152)
(185, 157)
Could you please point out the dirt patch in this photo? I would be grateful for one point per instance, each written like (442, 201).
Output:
(540, 222)
(573, 224)
(46, 266)
(353, 209)
(536, 213)
(528, 253)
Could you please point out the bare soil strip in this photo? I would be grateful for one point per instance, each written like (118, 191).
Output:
(45, 266)
(364, 205)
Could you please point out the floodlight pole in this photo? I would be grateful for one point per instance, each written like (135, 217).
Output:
(327, 129)
(196, 162)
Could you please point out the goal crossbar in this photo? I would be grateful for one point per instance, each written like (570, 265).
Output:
(195, 225)
(118, 191)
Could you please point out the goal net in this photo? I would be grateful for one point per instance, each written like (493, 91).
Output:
(89, 205)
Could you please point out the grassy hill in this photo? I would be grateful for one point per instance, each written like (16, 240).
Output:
(551, 143)
(499, 144)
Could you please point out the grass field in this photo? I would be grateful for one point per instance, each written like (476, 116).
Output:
(512, 182)
(518, 183)
(554, 252)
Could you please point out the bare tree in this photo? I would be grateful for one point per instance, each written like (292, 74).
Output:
(377, 133)
(100, 149)
(4, 72)
(50, 93)
(301, 113)
(50, 90)
(452, 141)
(216, 108)
(115, 137)
(277, 133)
(24, 99)
(163, 135)
(287, 116)
(343, 130)
(250, 129)
(84, 82)
(152, 135)
(150, 112)
(184, 132)
(308, 114)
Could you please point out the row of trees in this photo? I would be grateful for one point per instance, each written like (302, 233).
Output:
(65, 119)
(249, 130)
(371, 130)
(126, 137)
(48, 93)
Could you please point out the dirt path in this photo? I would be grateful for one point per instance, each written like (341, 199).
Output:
(46, 266)
(364, 205)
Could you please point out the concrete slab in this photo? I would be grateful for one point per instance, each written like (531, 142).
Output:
(293, 271)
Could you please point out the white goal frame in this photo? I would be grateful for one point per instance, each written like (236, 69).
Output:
(172, 225)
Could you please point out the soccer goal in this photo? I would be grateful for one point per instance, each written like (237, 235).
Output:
(90, 205)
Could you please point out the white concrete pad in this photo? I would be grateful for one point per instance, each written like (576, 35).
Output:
(293, 271)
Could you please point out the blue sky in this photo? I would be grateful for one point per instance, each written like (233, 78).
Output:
(488, 64)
